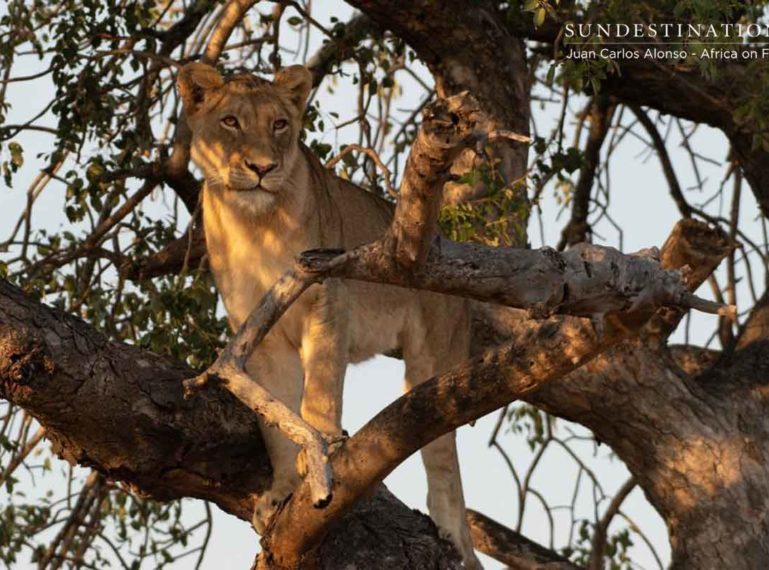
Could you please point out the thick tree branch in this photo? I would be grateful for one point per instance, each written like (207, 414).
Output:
(142, 431)
(587, 281)
(700, 249)
(542, 352)
(687, 441)
(448, 126)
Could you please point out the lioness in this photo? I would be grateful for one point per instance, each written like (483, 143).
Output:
(267, 198)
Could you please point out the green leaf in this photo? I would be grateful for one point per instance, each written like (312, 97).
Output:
(539, 17)
(17, 154)
(550, 75)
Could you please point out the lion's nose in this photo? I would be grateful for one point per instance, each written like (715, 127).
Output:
(261, 168)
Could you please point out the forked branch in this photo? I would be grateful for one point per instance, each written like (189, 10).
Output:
(543, 351)
(230, 369)
(619, 293)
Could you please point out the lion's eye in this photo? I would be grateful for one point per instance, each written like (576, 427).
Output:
(279, 124)
(231, 122)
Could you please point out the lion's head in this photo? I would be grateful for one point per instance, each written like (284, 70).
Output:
(245, 130)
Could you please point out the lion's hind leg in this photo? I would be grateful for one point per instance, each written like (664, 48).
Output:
(429, 351)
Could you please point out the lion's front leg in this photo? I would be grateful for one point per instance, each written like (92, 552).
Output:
(279, 369)
(324, 352)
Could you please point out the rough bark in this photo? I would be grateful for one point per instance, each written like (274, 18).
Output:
(696, 443)
(587, 281)
(120, 410)
(449, 124)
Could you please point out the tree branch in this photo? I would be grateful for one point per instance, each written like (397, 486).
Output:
(447, 128)
(346, 39)
(488, 62)
(230, 368)
(232, 15)
(512, 548)
(577, 229)
(598, 544)
(541, 353)
(697, 247)
(142, 432)
(667, 165)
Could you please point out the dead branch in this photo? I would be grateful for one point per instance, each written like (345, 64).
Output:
(372, 154)
(512, 548)
(697, 247)
(577, 229)
(587, 281)
(449, 125)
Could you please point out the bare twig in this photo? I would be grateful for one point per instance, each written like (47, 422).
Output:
(598, 545)
(21, 455)
(372, 154)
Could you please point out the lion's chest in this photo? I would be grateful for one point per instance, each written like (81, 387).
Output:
(246, 264)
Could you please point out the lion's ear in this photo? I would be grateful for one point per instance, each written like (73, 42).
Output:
(195, 83)
(297, 80)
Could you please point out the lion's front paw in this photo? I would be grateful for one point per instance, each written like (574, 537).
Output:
(267, 504)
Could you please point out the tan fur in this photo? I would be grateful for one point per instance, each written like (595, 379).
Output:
(256, 225)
